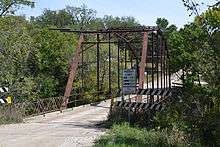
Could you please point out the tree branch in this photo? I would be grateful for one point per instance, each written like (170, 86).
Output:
(215, 5)
(4, 11)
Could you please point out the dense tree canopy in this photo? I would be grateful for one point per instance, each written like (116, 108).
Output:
(34, 61)
(195, 50)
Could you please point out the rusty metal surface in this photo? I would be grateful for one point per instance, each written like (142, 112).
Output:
(124, 46)
(141, 48)
(112, 30)
(143, 60)
(72, 71)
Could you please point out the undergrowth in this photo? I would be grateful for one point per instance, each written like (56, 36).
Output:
(126, 136)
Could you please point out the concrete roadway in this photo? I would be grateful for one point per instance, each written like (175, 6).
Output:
(73, 128)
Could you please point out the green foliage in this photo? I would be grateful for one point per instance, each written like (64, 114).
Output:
(162, 23)
(82, 16)
(16, 44)
(47, 86)
(195, 111)
(74, 17)
(195, 50)
(10, 6)
(34, 64)
(54, 18)
(35, 60)
(111, 22)
(124, 135)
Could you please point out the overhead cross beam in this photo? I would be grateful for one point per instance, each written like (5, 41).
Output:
(116, 30)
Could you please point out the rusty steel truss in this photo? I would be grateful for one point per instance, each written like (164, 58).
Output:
(141, 48)
(98, 62)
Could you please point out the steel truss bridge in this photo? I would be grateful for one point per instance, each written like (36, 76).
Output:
(99, 59)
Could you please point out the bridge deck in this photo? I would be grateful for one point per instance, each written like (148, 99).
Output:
(71, 128)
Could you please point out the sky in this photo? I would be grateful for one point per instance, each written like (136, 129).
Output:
(145, 11)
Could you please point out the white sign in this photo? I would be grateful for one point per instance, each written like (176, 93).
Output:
(129, 81)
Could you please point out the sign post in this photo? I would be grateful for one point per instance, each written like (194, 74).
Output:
(129, 81)
(129, 86)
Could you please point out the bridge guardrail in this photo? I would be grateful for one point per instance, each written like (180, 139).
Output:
(17, 111)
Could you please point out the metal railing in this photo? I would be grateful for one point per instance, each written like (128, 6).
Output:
(30, 108)
(18, 111)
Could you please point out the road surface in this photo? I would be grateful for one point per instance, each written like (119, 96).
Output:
(73, 128)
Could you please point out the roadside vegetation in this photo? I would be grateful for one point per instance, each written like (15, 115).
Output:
(34, 64)
(35, 60)
(195, 112)
(124, 135)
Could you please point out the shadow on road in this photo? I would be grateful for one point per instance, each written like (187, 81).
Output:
(89, 125)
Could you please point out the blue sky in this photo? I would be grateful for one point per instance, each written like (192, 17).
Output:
(145, 11)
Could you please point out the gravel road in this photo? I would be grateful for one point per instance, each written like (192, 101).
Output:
(73, 128)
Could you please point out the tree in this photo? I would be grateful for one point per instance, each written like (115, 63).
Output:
(167, 29)
(193, 6)
(81, 16)
(54, 52)
(33, 66)
(10, 6)
(58, 18)
(17, 45)
(111, 22)
(162, 23)
(195, 49)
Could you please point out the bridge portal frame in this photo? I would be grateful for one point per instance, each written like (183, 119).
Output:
(146, 46)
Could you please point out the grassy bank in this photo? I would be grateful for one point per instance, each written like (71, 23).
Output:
(126, 136)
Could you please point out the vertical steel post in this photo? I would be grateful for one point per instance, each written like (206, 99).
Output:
(161, 62)
(131, 57)
(110, 86)
(125, 48)
(97, 62)
(147, 77)
(143, 62)
(110, 81)
(169, 72)
(118, 67)
(152, 61)
(164, 63)
(137, 66)
(82, 75)
(157, 52)
(152, 66)
(147, 81)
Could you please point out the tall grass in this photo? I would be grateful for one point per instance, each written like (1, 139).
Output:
(126, 136)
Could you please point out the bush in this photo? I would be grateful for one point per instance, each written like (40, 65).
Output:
(124, 135)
